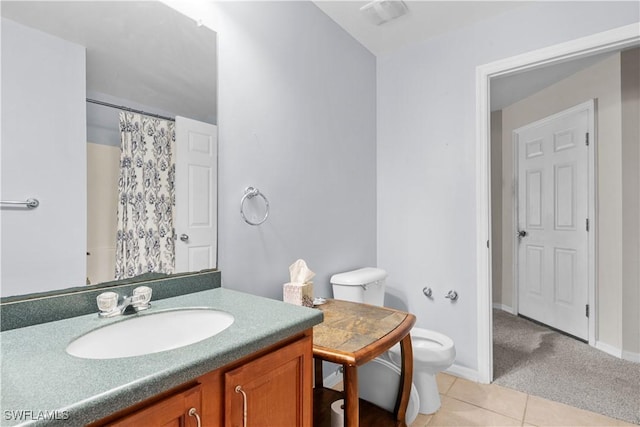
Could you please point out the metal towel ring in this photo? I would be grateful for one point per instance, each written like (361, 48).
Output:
(250, 193)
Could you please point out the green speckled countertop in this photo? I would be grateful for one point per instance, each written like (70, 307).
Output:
(40, 380)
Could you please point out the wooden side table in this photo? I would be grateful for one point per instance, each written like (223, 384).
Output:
(353, 334)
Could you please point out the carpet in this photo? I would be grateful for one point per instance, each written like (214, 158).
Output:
(540, 361)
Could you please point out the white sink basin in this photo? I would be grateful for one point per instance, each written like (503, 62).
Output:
(150, 333)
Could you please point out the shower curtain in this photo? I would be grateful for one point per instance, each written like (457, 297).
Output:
(145, 241)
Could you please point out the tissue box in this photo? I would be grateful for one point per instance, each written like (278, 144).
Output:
(297, 294)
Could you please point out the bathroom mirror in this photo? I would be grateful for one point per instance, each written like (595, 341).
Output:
(143, 55)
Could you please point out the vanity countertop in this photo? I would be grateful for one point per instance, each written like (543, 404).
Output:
(43, 385)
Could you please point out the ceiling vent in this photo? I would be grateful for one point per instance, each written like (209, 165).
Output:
(380, 11)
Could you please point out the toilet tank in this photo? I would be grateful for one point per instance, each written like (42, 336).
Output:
(365, 285)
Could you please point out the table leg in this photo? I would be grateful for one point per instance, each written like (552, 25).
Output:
(351, 399)
(318, 379)
(406, 378)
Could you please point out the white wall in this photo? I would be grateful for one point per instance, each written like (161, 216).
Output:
(43, 156)
(427, 154)
(297, 117)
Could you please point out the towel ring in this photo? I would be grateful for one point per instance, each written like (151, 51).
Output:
(250, 193)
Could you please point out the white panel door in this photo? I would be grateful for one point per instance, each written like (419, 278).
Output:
(553, 206)
(196, 195)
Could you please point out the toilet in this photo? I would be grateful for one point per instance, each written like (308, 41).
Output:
(432, 352)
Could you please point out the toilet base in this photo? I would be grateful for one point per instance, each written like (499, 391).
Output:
(378, 383)
(427, 390)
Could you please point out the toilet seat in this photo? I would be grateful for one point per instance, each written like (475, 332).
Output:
(378, 383)
(426, 343)
(432, 339)
(439, 349)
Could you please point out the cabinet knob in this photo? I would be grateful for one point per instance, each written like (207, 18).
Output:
(194, 413)
(244, 404)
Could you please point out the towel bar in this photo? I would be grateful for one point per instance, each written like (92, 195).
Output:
(30, 203)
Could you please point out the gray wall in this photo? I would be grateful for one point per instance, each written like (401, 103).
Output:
(427, 154)
(497, 184)
(297, 117)
(630, 82)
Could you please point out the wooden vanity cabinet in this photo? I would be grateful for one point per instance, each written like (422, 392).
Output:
(274, 385)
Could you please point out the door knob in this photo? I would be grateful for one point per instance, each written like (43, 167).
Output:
(522, 233)
(184, 237)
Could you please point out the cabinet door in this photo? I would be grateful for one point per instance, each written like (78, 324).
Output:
(273, 390)
(174, 411)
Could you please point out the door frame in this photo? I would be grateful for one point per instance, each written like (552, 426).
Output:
(607, 41)
(592, 173)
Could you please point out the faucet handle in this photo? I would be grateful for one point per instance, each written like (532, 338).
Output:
(141, 298)
(107, 301)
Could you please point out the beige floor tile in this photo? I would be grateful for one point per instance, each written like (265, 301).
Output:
(445, 381)
(498, 399)
(543, 412)
(421, 420)
(457, 413)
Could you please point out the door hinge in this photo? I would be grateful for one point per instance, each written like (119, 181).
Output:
(487, 244)
(586, 139)
(587, 224)
(586, 310)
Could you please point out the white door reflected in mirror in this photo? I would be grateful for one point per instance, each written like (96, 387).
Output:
(196, 195)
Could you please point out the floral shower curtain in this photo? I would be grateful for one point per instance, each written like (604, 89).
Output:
(145, 242)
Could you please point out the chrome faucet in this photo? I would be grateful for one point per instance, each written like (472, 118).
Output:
(130, 301)
(109, 307)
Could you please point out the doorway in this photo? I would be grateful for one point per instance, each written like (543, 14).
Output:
(608, 41)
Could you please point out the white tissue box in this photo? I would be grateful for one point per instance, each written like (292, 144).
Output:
(297, 294)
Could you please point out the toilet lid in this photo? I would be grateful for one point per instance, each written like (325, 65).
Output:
(378, 383)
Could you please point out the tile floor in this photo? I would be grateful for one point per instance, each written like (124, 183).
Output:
(465, 403)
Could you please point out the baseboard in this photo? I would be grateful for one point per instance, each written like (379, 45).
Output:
(617, 352)
(609, 349)
(503, 307)
(631, 356)
(463, 372)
